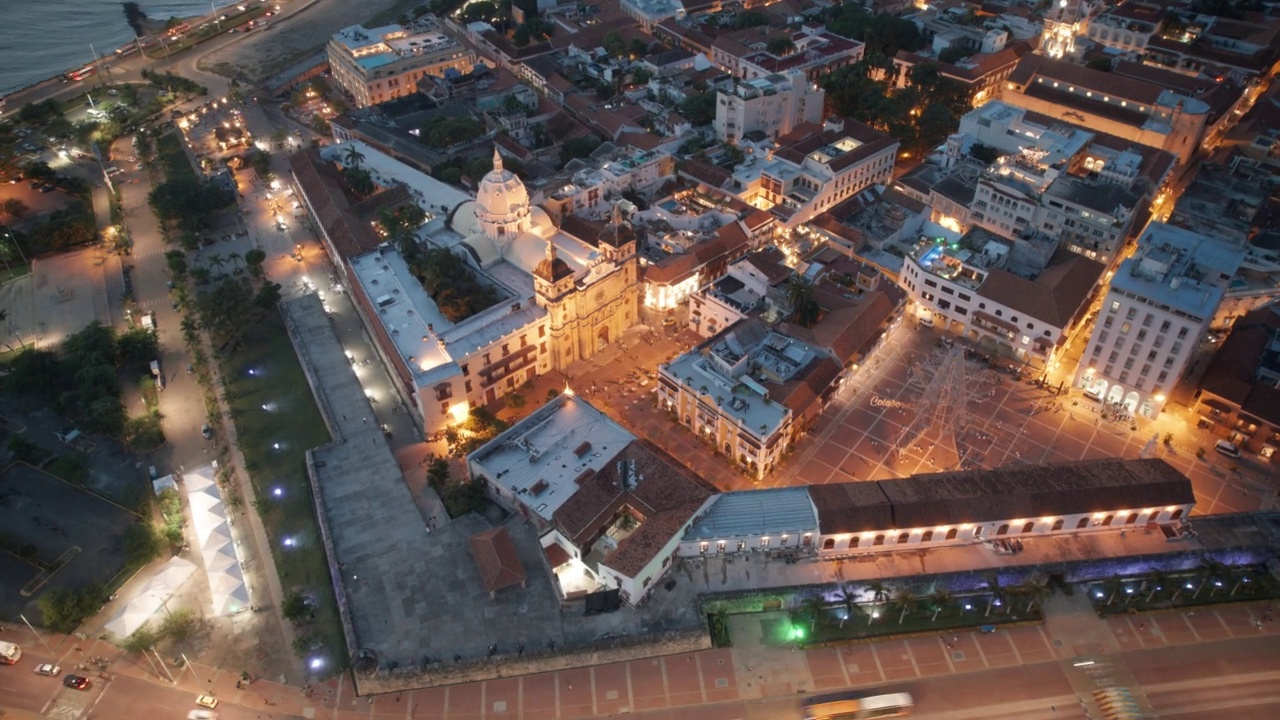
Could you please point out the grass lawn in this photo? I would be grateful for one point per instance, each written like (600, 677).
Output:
(278, 474)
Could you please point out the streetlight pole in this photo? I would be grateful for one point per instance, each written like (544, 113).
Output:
(33, 632)
(9, 233)
(192, 667)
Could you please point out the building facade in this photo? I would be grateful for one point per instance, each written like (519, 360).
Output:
(772, 105)
(375, 65)
(1159, 305)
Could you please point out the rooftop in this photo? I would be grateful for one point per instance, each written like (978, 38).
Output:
(542, 457)
(1184, 270)
(775, 511)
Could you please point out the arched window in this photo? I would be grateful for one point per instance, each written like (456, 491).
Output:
(1057, 524)
(829, 544)
(952, 533)
(879, 540)
(1029, 526)
(927, 536)
(1133, 518)
(1004, 530)
(853, 542)
(1108, 520)
(904, 538)
(1176, 514)
(1084, 523)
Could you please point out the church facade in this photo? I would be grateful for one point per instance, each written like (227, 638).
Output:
(565, 299)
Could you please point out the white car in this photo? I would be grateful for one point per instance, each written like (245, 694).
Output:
(48, 669)
(202, 715)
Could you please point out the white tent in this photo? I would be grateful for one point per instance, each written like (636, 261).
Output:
(213, 535)
(151, 597)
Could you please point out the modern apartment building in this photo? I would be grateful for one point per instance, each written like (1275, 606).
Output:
(1160, 304)
(773, 105)
(374, 65)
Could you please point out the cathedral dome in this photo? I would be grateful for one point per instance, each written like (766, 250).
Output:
(501, 196)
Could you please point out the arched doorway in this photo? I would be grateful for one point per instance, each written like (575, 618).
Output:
(1115, 394)
(1131, 402)
(602, 335)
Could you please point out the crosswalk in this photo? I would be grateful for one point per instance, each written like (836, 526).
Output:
(1107, 690)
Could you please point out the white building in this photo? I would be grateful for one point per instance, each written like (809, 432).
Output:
(773, 105)
(1160, 304)
(814, 169)
(610, 513)
(374, 65)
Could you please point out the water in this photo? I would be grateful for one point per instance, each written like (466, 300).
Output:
(43, 38)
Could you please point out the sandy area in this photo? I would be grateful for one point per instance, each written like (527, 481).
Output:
(298, 34)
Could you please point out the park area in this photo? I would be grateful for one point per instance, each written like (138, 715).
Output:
(276, 423)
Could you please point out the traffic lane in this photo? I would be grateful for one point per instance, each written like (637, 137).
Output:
(130, 697)
(22, 689)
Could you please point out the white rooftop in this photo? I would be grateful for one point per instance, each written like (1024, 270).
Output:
(436, 197)
(540, 458)
(1179, 268)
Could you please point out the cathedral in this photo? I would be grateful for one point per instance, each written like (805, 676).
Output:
(566, 299)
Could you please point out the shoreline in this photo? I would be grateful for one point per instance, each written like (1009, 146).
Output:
(56, 78)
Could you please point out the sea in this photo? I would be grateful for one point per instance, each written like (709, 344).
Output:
(40, 39)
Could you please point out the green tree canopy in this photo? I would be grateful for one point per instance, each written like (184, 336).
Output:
(699, 109)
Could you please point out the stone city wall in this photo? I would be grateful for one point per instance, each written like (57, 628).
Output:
(448, 673)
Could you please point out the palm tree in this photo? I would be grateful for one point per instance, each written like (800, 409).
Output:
(216, 260)
(353, 156)
(812, 608)
(1155, 581)
(879, 591)
(904, 599)
(939, 600)
(847, 596)
(1213, 571)
(993, 585)
(1112, 587)
(1035, 591)
(359, 180)
(234, 257)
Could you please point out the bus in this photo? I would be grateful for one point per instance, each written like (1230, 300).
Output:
(858, 706)
(82, 73)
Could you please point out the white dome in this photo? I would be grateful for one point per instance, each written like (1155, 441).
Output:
(501, 197)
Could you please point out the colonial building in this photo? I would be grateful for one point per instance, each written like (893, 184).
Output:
(1240, 391)
(561, 298)
(374, 65)
(773, 105)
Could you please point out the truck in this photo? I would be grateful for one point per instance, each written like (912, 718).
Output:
(10, 653)
(159, 376)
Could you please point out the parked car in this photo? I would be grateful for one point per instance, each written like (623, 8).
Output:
(1227, 448)
(48, 669)
(207, 700)
(77, 682)
(206, 431)
(202, 715)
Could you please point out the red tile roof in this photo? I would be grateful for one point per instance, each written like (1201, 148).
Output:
(496, 559)
(1055, 296)
(325, 190)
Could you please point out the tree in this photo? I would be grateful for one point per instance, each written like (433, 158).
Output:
(904, 600)
(879, 591)
(142, 639)
(578, 147)
(63, 610)
(847, 596)
(235, 258)
(805, 309)
(781, 46)
(353, 156)
(177, 262)
(268, 296)
(481, 11)
(216, 260)
(1034, 591)
(225, 308)
(993, 586)
(359, 181)
(15, 208)
(296, 608)
(749, 19)
(253, 259)
(143, 433)
(180, 625)
(699, 109)
(935, 123)
(136, 348)
(939, 601)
